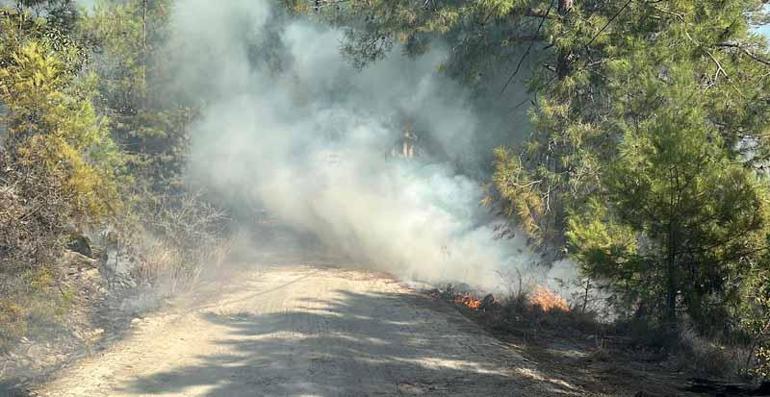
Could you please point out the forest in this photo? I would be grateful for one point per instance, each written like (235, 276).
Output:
(629, 139)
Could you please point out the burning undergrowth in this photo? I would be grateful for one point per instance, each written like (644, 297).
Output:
(541, 298)
(548, 300)
(463, 297)
(540, 312)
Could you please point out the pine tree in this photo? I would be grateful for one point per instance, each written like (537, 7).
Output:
(147, 124)
(676, 221)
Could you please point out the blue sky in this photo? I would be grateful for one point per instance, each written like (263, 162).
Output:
(766, 28)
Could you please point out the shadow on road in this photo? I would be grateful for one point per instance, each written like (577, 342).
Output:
(357, 344)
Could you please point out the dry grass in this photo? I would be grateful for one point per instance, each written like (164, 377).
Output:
(178, 236)
(708, 357)
(164, 263)
(34, 219)
(699, 354)
(13, 323)
(186, 236)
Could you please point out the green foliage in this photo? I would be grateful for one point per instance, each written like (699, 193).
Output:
(482, 34)
(511, 180)
(755, 315)
(147, 124)
(57, 166)
(66, 168)
(692, 216)
(61, 14)
(659, 122)
(51, 124)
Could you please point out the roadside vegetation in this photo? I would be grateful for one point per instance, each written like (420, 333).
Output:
(91, 160)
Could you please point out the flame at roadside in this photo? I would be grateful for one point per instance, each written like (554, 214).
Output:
(547, 300)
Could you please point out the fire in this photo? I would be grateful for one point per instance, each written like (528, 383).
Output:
(548, 300)
(471, 302)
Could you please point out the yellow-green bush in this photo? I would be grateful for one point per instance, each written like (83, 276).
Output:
(58, 168)
(52, 124)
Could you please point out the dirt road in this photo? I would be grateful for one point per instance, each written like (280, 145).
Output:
(306, 330)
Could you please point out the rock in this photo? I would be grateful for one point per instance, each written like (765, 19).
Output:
(81, 244)
(488, 302)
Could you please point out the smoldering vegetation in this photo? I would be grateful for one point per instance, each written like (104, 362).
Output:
(290, 127)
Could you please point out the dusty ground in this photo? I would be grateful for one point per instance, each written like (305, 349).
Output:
(306, 330)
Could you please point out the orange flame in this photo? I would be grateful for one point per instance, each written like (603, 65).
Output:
(548, 300)
(469, 301)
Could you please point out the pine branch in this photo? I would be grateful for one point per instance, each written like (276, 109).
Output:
(526, 53)
(535, 13)
(746, 51)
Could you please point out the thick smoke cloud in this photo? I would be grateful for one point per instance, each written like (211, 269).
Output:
(291, 126)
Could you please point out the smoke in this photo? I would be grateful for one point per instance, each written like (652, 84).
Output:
(289, 126)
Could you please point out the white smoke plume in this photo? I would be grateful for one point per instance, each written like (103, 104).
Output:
(289, 124)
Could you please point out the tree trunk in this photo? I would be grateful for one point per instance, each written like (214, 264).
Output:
(671, 279)
(671, 295)
(144, 53)
(564, 59)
